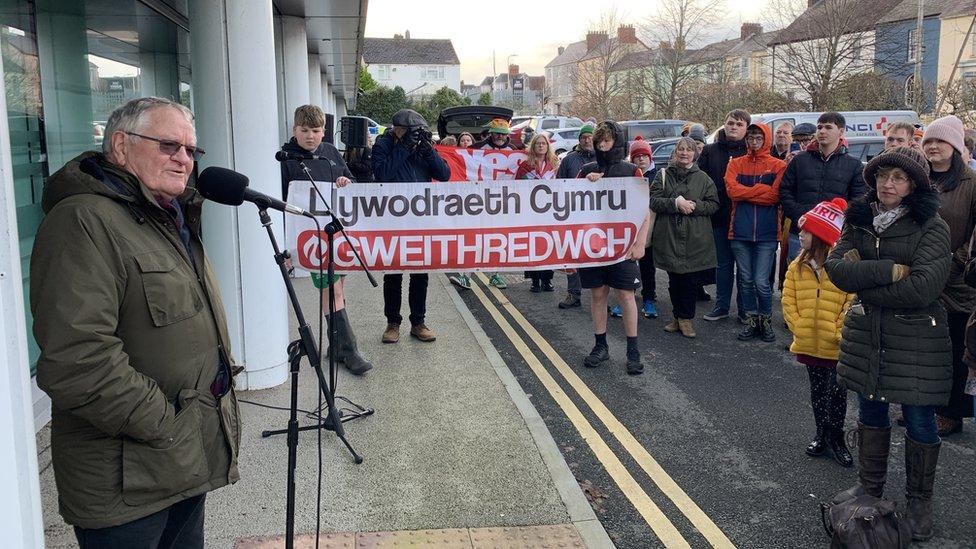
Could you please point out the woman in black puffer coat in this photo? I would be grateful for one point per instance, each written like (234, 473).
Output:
(894, 255)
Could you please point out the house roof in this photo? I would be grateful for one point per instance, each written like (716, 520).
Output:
(909, 10)
(861, 15)
(409, 51)
(573, 53)
(604, 46)
(635, 60)
(962, 8)
(487, 81)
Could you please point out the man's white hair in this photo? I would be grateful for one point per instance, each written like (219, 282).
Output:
(131, 116)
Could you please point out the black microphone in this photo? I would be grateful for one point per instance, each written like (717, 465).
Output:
(281, 156)
(229, 187)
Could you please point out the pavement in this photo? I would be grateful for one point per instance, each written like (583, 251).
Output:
(455, 448)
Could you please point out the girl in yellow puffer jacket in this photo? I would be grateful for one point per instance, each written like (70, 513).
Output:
(814, 310)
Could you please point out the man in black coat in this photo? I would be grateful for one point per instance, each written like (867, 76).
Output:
(569, 168)
(402, 154)
(823, 172)
(714, 160)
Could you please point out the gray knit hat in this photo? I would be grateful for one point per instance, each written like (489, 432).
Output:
(909, 159)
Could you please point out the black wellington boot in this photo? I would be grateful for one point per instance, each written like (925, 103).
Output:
(838, 448)
(818, 445)
(347, 353)
(920, 462)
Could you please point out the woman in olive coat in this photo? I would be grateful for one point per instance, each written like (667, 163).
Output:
(894, 255)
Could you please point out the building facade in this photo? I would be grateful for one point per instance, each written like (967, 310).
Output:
(419, 66)
(955, 22)
(241, 66)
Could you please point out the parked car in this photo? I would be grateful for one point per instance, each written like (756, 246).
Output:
(522, 133)
(472, 119)
(563, 140)
(865, 148)
(652, 130)
(661, 150)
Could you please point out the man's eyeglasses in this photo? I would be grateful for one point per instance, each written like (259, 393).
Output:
(170, 147)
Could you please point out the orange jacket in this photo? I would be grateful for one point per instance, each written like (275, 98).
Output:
(752, 182)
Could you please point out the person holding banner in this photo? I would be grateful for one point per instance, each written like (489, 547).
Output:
(540, 164)
(403, 155)
(684, 198)
(640, 155)
(624, 276)
(569, 168)
(308, 133)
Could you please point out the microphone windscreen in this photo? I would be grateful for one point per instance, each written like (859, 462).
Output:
(281, 156)
(222, 185)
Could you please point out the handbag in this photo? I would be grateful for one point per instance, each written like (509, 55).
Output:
(865, 522)
(650, 222)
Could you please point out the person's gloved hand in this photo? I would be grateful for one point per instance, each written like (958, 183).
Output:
(852, 255)
(899, 272)
(425, 148)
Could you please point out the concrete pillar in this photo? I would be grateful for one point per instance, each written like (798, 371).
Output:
(314, 81)
(284, 118)
(20, 508)
(294, 49)
(237, 122)
(326, 92)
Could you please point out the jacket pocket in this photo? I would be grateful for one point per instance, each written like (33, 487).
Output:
(170, 294)
(155, 471)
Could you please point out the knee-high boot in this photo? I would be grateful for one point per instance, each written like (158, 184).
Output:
(873, 447)
(347, 353)
(920, 463)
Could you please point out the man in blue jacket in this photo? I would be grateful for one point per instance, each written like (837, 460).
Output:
(404, 154)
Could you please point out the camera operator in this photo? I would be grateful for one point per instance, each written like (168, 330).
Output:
(406, 154)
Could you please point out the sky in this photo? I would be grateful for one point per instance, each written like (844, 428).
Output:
(530, 32)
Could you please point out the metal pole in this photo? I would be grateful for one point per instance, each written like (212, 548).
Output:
(952, 74)
(919, 94)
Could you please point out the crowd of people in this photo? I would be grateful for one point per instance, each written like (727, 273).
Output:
(878, 290)
(872, 263)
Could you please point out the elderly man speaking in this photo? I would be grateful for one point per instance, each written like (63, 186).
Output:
(133, 338)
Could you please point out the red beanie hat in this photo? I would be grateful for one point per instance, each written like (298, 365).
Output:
(825, 220)
(639, 146)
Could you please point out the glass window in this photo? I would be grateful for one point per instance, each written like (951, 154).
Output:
(383, 72)
(550, 124)
(67, 65)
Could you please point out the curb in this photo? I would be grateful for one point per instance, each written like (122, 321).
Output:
(580, 512)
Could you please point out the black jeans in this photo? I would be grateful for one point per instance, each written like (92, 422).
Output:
(828, 399)
(179, 526)
(416, 298)
(539, 276)
(647, 270)
(960, 404)
(683, 289)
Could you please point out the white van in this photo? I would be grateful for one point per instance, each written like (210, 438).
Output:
(858, 123)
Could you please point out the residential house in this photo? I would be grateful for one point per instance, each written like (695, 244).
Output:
(896, 51)
(560, 74)
(420, 66)
(830, 40)
(955, 22)
(518, 91)
(634, 76)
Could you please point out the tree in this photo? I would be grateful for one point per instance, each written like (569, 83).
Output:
(829, 41)
(596, 86)
(366, 82)
(960, 100)
(708, 103)
(484, 99)
(676, 25)
(430, 107)
(868, 91)
(380, 103)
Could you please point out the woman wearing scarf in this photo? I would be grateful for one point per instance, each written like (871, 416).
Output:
(894, 255)
(541, 163)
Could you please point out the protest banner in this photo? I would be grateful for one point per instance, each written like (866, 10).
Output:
(471, 226)
(480, 164)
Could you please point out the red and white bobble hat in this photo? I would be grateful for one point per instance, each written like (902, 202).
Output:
(825, 220)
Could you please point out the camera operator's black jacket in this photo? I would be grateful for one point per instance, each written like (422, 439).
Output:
(328, 168)
(394, 162)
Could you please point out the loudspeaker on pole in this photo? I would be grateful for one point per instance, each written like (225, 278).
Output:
(354, 131)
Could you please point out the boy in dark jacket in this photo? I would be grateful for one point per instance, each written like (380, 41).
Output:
(307, 134)
(624, 277)
(569, 168)
(402, 154)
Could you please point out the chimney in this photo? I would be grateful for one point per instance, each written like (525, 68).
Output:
(749, 29)
(664, 45)
(513, 71)
(811, 3)
(407, 34)
(560, 50)
(594, 39)
(398, 37)
(626, 34)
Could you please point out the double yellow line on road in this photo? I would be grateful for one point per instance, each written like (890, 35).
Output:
(663, 528)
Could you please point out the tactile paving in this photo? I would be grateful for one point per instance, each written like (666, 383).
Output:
(337, 540)
(415, 539)
(561, 536)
